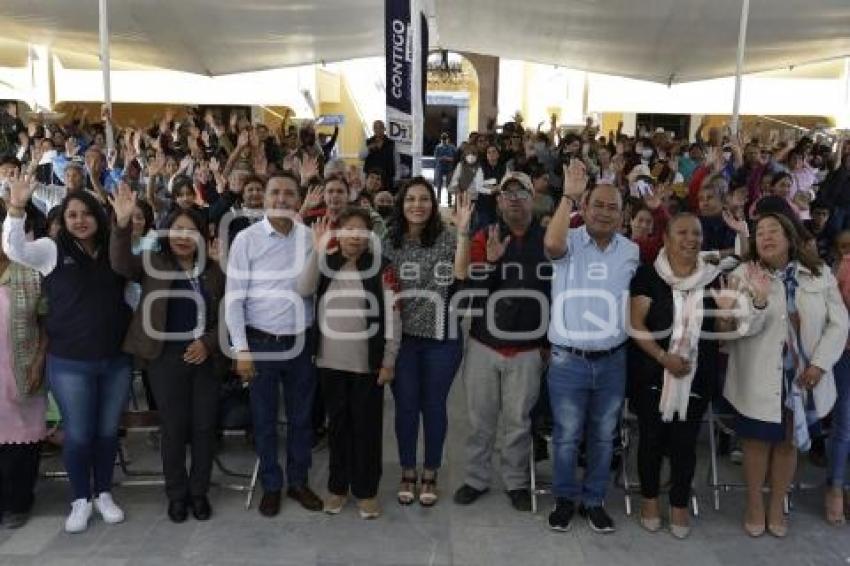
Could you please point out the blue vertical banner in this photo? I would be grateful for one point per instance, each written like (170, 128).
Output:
(406, 28)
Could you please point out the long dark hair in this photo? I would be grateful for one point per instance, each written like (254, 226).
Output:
(147, 212)
(434, 225)
(796, 248)
(68, 243)
(197, 220)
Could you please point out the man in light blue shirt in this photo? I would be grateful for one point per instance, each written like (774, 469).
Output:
(593, 265)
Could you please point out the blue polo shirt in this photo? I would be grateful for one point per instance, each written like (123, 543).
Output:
(590, 292)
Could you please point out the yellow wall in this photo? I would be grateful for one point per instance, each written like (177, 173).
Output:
(352, 138)
(609, 123)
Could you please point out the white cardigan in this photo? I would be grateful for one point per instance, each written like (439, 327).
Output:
(754, 373)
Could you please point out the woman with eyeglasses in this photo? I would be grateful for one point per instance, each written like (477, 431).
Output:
(175, 333)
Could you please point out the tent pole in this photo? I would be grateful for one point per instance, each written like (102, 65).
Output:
(742, 42)
(104, 66)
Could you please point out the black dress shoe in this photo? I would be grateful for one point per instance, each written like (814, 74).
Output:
(305, 496)
(270, 503)
(467, 494)
(520, 499)
(177, 511)
(201, 509)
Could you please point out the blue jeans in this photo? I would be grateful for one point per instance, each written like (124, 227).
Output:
(424, 373)
(298, 377)
(586, 398)
(92, 395)
(839, 448)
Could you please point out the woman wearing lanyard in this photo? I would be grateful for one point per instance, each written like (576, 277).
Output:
(87, 319)
(175, 332)
(779, 377)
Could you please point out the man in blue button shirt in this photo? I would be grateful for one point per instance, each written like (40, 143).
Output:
(587, 374)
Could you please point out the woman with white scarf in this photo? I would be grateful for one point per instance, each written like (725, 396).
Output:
(672, 366)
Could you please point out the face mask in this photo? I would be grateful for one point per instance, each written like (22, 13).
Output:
(821, 175)
(471, 159)
(539, 147)
(646, 153)
(385, 211)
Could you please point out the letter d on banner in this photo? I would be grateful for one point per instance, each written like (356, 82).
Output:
(406, 28)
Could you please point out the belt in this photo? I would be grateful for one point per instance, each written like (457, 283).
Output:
(591, 354)
(255, 334)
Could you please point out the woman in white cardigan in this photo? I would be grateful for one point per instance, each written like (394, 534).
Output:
(779, 377)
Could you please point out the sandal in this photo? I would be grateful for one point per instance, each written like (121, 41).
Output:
(407, 488)
(428, 493)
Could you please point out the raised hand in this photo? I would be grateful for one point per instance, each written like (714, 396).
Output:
(314, 198)
(309, 168)
(321, 235)
(463, 213)
(737, 225)
(215, 166)
(496, 246)
(20, 190)
(727, 296)
(575, 179)
(244, 140)
(760, 283)
(653, 198)
(123, 203)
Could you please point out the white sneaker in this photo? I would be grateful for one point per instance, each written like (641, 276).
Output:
(78, 520)
(107, 508)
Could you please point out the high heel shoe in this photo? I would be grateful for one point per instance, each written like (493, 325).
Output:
(680, 532)
(407, 488)
(651, 524)
(754, 531)
(428, 493)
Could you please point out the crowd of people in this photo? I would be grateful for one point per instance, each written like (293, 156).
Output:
(572, 273)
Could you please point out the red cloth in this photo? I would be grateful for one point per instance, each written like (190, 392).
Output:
(693, 189)
(652, 244)
(478, 254)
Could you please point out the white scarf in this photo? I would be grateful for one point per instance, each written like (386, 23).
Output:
(688, 293)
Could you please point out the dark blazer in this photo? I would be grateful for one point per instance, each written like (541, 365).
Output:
(131, 266)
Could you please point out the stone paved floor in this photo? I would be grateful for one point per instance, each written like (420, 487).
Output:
(488, 533)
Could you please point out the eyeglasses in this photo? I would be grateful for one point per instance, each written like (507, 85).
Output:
(517, 194)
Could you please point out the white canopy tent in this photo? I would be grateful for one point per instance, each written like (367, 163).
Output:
(658, 40)
(664, 41)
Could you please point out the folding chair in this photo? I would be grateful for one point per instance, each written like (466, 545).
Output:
(714, 481)
(536, 487)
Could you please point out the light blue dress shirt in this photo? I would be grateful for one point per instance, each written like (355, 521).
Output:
(590, 292)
